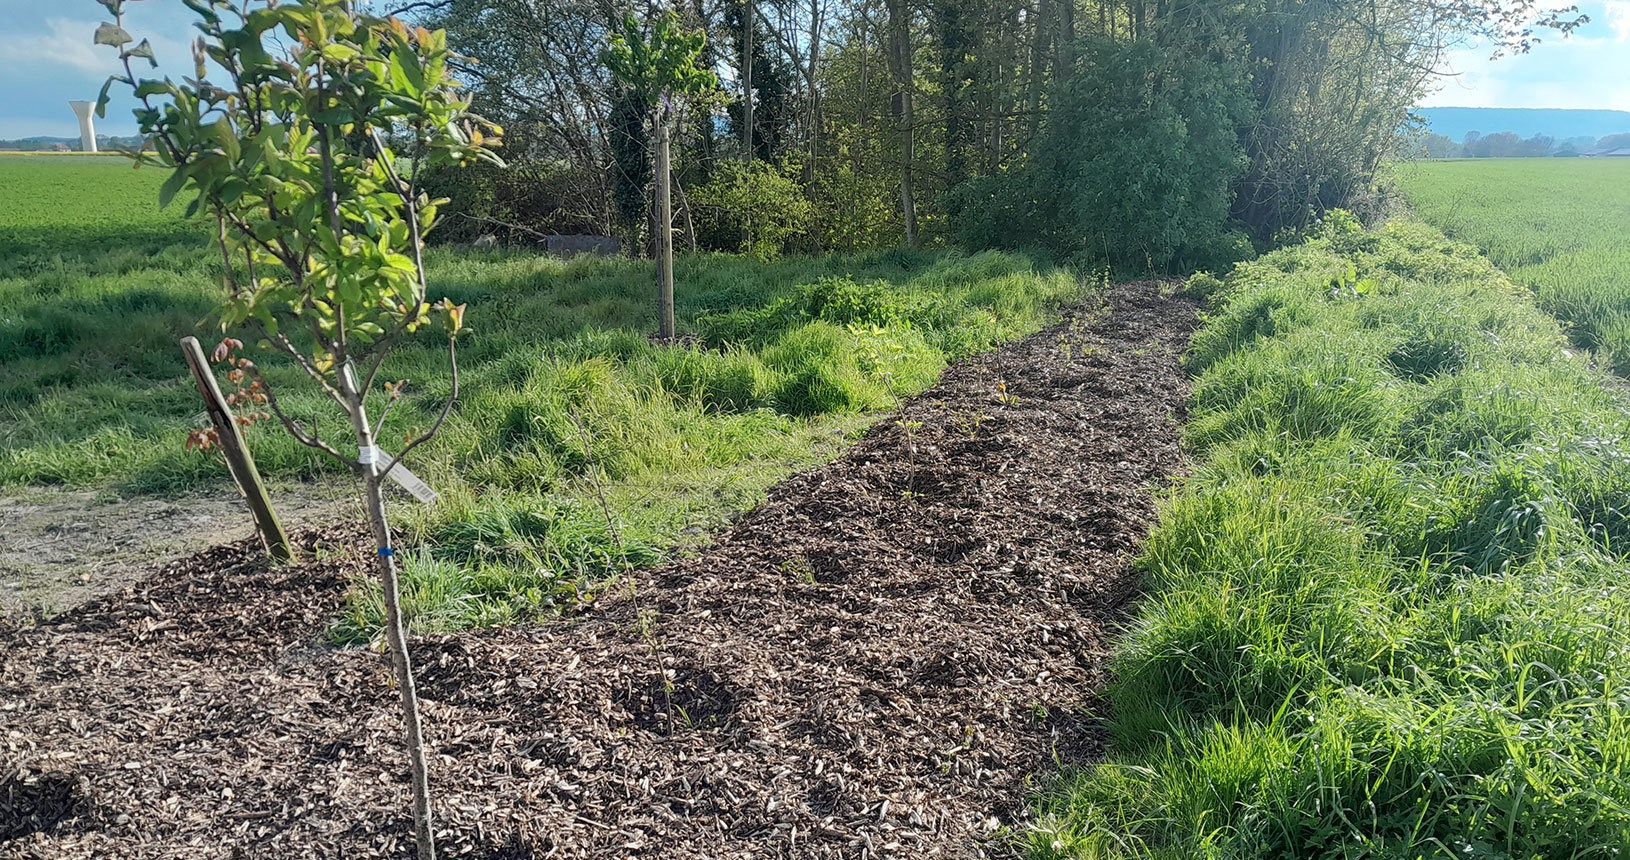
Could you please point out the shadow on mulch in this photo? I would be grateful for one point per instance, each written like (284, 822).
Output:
(869, 664)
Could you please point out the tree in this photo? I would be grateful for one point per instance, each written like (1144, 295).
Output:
(892, 104)
(653, 70)
(900, 66)
(320, 233)
(1136, 166)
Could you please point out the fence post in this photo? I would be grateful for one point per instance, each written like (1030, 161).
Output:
(238, 458)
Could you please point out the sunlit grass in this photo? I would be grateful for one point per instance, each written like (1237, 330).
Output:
(1387, 615)
(1555, 225)
(564, 398)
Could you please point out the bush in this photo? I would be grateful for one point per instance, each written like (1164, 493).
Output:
(534, 193)
(755, 207)
(1136, 166)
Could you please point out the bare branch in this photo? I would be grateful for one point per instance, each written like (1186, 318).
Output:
(446, 409)
(310, 440)
(417, 5)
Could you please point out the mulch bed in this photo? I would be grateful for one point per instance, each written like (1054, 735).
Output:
(870, 664)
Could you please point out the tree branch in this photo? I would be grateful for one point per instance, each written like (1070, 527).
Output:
(299, 433)
(446, 409)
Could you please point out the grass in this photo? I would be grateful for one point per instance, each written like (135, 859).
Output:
(564, 398)
(1387, 615)
(1556, 225)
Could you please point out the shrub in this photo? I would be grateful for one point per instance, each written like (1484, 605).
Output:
(1091, 187)
(753, 207)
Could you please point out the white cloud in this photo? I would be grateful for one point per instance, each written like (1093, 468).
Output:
(67, 43)
(1565, 73)
(1618, 18)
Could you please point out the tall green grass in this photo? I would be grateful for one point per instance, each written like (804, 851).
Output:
(1555, 225)
(1386, 615)
(564, 400)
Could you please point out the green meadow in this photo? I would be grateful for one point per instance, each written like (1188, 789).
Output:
(563, 398)
(1555, 225)
(1387, 614)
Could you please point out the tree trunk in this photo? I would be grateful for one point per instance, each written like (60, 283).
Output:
(1038, 63)
(812, 81)
(665, 235)
(747, 80)
(900, 65)
(395, 627)
(685, 214)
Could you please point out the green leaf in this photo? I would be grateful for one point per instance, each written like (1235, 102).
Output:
(171, 187)
(112, 34)
(261, 20)
(202, 7)
(102, 97)
(405, 70)
(334, 116)
(222, 131)
(143, 50)
(339, 53)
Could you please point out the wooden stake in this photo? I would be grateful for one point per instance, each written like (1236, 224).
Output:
(238, 458)
(665, 233)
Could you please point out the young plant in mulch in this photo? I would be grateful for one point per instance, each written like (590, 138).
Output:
(306, 159)
(654, 68)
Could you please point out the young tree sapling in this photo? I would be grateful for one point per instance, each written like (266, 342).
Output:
(306, 162)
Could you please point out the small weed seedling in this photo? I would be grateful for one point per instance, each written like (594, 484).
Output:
(800, 569)
(1005, 397)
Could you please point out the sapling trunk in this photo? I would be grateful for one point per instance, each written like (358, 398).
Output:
(657, 68)
(395, 628)
(401, 664)
(665, 233)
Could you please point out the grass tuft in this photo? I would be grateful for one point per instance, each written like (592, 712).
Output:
(1387, 615)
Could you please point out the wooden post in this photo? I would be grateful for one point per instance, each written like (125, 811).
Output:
(238, 458)
(665, 233)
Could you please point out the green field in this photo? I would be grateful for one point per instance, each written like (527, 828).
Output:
(1387, 615)
(562, 390)
(1556, 225)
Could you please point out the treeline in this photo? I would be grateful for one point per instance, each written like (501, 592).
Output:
(1146, 134)
(55, 144)
(1506, 144)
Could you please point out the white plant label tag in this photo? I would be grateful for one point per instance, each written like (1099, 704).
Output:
(376, 456)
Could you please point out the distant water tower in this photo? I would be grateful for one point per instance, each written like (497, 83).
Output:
(87, 132)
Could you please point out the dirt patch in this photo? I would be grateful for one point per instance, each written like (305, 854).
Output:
(870, 664)
(64, 547)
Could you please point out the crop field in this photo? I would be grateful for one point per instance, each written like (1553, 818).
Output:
(564, 397)
(1555, 225)
(66, 204)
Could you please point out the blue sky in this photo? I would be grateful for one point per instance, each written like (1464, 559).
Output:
(1588, 70)
(46, 59)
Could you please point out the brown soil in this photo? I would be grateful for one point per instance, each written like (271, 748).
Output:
(64, 547)
(870, 664)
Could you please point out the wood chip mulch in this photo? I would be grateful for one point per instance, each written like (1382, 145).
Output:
(870, 664)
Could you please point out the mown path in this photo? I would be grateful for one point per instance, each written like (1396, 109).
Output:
(867, 665)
